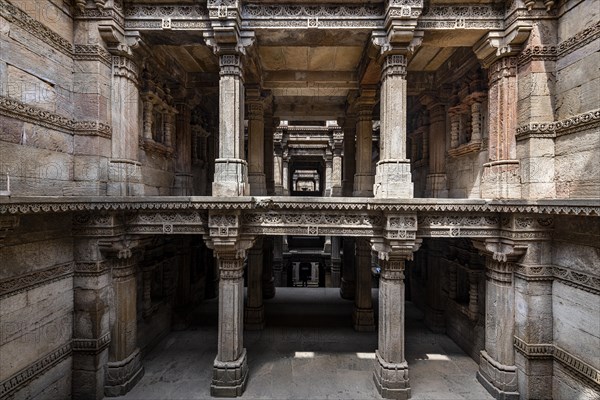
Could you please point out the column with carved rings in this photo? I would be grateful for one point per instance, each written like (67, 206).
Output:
(231, 170)
(393, 176)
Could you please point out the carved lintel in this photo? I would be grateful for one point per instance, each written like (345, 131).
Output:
(498, 44)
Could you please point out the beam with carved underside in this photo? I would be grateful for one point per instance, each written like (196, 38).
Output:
(167, 17)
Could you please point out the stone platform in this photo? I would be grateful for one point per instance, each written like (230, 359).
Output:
(308, 350)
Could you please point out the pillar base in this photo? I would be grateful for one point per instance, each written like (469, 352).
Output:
(498, 379)
(363, 319)
(393, 180)
(269, 288)
(347, 289)
(122, 376)
(229, 377)
(258, 184)
(501, 180)
(436, 186)
(254, 318)
(391, 379)
(231, 178)
(363, 185)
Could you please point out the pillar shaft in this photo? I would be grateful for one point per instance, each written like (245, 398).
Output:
(183, 164)
(347, 286)
(231, 170)
(497, 371)
(268, 280)
(363, 179)
(254, 317)
(230, 371)
(349, 155)
(391, 368)
(256, 145)
(393, 177)
(363, 317)
(501, 176)
(336, 261)
(436, 185)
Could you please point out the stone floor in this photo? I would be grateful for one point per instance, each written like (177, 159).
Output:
(307, 351)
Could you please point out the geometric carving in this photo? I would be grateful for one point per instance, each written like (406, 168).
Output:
(21, 283)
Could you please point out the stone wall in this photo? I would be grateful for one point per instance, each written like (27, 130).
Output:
(36, 309)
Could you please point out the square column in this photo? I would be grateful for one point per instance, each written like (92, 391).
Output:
(362, 316)
(347, 285)
(231, 170)
(391, 368)
(254, 313)
(256, 136)
(336, 261)
(393, 177)
(230, 370)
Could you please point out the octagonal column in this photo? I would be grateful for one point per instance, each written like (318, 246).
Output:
(391, 368)
(231, 170)
(393, 177)
(230, 370)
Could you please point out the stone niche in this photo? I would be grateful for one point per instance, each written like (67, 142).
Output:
(158, 129)
(467, 114)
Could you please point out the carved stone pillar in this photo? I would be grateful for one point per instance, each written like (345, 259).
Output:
(501, 175)
(278, 146)
(347, 286)
(183, 176)
(256, 135)
(497, 370)
(231, 170)
(124, 368)
(268, 281)
(363, 317)
(328, 175)
(124, 171)
(393, 177)
(91, 328)
(254, 314)
(336, 261)
(285, 175)
(279, 272)
(364, 179)
(349, 154)
(436, 185)
(269, 152)
(230, 370)
(391, 368)
(336, 189)
(435, 308)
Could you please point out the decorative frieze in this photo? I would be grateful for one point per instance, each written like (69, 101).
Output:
(22, 283)
(394, 65)
(92, 52)
(582, 369)
(462, 16)
(586, 121)
(538, 53)
(91, 268)
(20, 18)
(579, 40)
(22, 378)
(91, 346)
(24, 112)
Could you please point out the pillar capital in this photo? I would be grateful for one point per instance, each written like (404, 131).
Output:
(393, 65)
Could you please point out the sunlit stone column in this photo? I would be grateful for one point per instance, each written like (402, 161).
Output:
(254, 317)
(231, 170)
(230, 370)
(363, 179)
(393, 177)
(328, 175)
(362, 316)
(391, 368)
(256, 135)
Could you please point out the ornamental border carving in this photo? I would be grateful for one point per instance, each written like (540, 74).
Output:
(537, 53)
(18, 284)
(91, 346)
(566, 359)
(579, 40)
(33, 371)
(26, 113)
(576, 279)
(551, 130)
(35, 28)
(92, 52)
(462, 16)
